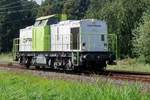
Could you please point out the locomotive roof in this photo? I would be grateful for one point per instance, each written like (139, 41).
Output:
(44, 17)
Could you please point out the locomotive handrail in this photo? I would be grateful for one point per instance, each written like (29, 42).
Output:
(15, 48)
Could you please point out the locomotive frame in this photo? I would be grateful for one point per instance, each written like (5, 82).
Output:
(65, 60)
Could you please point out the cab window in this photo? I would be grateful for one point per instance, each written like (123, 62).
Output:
(52, 21)
(37, 23)
(102, 37)
(43, 23)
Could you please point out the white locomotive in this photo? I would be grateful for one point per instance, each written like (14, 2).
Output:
(67, 45)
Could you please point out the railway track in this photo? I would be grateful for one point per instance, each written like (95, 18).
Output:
(131, 76)
(111, 74)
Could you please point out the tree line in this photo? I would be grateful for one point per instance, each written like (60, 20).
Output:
(129, 20)
(14, 15)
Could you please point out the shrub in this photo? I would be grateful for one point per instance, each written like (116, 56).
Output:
(141, 41)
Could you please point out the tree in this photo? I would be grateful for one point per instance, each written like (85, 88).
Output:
(94, 9)
(15, 14)
(76, 9)
(141, 41)
(122, 16)
(50, 7)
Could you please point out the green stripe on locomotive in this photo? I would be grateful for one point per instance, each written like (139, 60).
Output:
(41, 31)
(41, 38)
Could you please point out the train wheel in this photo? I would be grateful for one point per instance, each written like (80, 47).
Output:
(20, 60)
(27, 66)
(69, 65)
(50, 63)
(37, 67)
(28, 63)
(100, 66)
(103, 66)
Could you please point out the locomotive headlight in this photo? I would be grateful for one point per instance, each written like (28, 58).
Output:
(84, 57)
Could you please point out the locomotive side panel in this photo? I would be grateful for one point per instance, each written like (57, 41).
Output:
(60, 37)
(41, 38)
(94, 36)
(25, 39)
(83, 35)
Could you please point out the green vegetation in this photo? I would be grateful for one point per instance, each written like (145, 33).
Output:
(142, 38)
(27, 87)
(130, 65)
(6, 57)
(14, 15)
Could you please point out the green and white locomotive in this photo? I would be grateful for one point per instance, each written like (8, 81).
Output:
(58, 43)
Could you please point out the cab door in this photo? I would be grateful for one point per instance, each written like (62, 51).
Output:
(75, 38)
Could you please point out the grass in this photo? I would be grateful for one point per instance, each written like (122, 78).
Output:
(130, 65)
(6, 57)
(27, 87)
